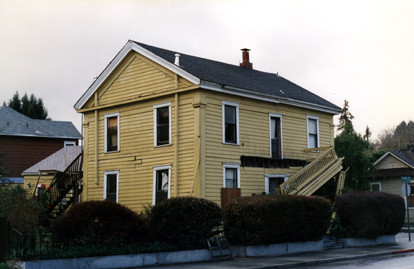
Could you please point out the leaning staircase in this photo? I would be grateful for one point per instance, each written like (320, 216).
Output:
(314, 175)
(66, 186)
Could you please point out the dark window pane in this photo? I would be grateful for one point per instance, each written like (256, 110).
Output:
(111, 187)
(230, 132)
(163, 126)
(112, 134)
(230, 112)
(161, 191)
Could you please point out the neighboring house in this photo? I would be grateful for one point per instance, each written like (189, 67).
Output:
(25, 141)
(52, 169)
(389, 169)
(161, 124)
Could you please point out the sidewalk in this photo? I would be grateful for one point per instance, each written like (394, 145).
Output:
(311, 258)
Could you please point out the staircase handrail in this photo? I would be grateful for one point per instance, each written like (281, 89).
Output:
(308, 173)
(63, 182)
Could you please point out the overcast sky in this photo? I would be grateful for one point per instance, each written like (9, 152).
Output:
(362, 51)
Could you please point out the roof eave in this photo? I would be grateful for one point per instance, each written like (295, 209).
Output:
(132, 46)
(395, 156)
(44, 136)
(269, 98)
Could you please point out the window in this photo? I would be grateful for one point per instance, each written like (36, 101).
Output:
(69, 143)
(162, 124)
(231, 175)
(111, 186)
(161, 191)
(112, 132)
(375, 186)
(230, 123)
(313, 132)
(274, 181)
(275, 136)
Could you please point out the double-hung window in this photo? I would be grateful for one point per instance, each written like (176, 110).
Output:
(161, 188)
(231, 175)
(111, 186)
(162, 124)
(275, 136)
(230, 123)
(112, 132)
(313, 132)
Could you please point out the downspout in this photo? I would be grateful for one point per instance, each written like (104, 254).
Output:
(96, 140)
(176, 138)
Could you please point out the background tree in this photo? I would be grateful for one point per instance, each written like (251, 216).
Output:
(32, 106)
(396, 138)
(345, 116)
(353, 146)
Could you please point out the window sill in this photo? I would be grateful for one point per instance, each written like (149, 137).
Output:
(232, 144)
(115, 151)
(161, 146)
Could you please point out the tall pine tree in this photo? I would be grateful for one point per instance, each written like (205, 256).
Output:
(32, 106)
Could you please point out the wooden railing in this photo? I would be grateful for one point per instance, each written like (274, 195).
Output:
(66, 181)
(307, 174)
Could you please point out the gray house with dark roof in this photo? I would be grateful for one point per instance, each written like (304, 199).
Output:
(161, 123)
(25, 141)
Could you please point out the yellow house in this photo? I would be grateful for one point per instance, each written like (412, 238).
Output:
(160, 124)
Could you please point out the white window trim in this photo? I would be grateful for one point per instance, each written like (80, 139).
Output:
(155, 107)
(373, 183)
(114, 172)
(285, 177)
(231, 165)
(154, 180)
(228, 103)
(273, 115)
(71, 143)
(317, 129)
(106, 133)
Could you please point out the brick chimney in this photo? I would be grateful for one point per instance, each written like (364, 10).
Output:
(246, 62)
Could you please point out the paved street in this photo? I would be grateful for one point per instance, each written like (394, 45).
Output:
(402, 261)
(399, 255)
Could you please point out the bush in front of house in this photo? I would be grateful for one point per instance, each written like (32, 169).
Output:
(368, 214)
(101, 222)
(185, 222)
(276, 219)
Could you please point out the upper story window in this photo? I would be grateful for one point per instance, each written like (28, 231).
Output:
(230, 123)
(162, 124)
(161, 188)
(111, 186)
(231, 175)
(275, 136)
(313, 132)
(112, 132)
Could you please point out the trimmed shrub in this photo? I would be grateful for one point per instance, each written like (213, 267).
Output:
(101, 222)
(369, 214)
(276, 219)
(185, 222)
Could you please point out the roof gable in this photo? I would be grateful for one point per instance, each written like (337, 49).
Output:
(214, 75)
(13, 123)
(395, 159)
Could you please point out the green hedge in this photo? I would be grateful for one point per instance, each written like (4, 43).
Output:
(101, 222)
(185, 222)
(368, 214)
(276, 219)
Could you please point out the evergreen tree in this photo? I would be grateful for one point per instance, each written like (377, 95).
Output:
(352, 146)
(15, 102)
(345, 116)
(32, 106)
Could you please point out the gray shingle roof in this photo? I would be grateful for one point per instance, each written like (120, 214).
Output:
(13, 123)
(58, 161)
(242, 78)
(405, 155)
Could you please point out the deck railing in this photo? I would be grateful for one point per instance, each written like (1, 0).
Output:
(307, 174)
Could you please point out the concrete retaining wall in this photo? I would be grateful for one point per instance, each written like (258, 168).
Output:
(276, 249)
(361, 242)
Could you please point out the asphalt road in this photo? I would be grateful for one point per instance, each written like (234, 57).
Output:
(398, 261)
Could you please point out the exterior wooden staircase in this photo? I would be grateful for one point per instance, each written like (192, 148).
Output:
(314, 175)
(66, 186)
